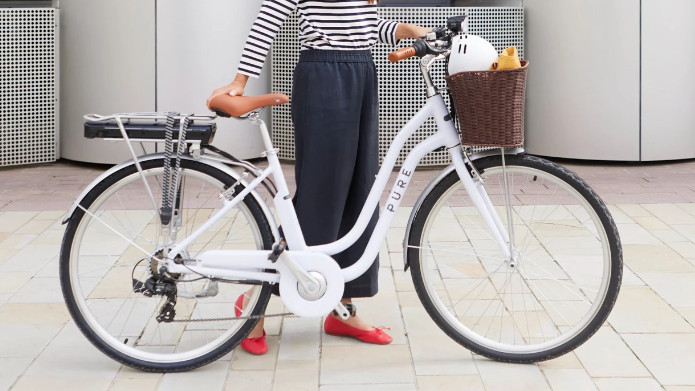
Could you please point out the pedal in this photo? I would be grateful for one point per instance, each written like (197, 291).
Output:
(277, 250)
(341, 311)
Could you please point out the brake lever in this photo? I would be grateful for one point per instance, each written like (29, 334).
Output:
(437, 47)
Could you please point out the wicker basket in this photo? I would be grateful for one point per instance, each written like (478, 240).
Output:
(490, 106)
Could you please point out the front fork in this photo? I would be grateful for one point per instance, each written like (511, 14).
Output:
(476, 190)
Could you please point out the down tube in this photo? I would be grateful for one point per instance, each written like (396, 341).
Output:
(380, 183)
(446, 136)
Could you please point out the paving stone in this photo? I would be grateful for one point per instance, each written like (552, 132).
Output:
(369, 387)
(676, 288)
(670, 357)
(22, 335)
(30, 259)
(498, 376)
(605, 354)
(450, 383)
(39, 290)
(366, 364)
(35, 226)
(11, 369)
(11, 282)
(635, 384)
(417, 321)
(688, 313)
(439, 355)
(670, 214)
(566, 361)
(569, 379)
(16, 241)
(249, 381)
(300, 339)
(13, 221)
(210, 377)
(69, 362)
(635, 234)
(297, 375)
(630, 278)
(654, 258)
(641, 310)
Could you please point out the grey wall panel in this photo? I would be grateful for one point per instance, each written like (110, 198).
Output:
(199, 44)
(668, 80)
(583, 81)
(107, 66)
(28, 85)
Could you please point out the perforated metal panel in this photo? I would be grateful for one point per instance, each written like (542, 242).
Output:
(401, 88)
(28, 85)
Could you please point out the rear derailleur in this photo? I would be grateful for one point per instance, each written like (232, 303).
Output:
(160, 284)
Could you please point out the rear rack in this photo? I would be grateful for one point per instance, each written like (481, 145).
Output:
(144, 127)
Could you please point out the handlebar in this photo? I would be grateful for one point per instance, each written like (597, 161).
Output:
(419, 48)
(435, 42)
(402, 54)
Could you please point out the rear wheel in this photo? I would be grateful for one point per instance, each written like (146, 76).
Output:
(110, 251)
(555, 292)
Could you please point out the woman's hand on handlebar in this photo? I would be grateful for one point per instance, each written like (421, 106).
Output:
(235, 88)
(405, 30)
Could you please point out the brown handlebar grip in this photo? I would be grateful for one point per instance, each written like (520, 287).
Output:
(402, 54)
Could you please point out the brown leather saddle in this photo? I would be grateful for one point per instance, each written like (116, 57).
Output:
(236, 106)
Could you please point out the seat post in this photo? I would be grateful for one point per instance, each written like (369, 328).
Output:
(283, 200)
(265, 134)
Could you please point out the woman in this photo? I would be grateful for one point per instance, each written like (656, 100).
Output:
(335, 116)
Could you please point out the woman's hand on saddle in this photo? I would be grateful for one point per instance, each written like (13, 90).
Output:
(235, 88)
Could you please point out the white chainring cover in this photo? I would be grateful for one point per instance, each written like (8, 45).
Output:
(311, 262)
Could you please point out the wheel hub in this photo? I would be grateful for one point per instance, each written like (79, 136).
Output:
(515, 259)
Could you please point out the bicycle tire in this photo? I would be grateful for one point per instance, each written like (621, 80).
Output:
(509, 313)
(98, 272)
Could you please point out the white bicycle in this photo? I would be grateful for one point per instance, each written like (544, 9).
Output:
(514, 257)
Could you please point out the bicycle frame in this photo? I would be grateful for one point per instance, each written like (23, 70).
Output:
(225, 262)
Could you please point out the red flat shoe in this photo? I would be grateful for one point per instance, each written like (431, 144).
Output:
(257, 345)
(333, 326)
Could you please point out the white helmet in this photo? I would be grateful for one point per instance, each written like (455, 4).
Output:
(471, 53)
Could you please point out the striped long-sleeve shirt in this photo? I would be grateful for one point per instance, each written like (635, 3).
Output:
(323, 24)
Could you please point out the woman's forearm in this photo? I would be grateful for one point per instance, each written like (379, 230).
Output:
(241, 79)
(405, 30)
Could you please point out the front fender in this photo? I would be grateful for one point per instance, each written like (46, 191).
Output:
(218, 165)
(434, 182)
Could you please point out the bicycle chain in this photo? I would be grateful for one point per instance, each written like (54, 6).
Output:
(235, 318)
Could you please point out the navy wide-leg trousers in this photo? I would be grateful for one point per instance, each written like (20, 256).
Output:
(335, 115)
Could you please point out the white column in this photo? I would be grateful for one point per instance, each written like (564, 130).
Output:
(583, 93)
(199, 44)
(109, 64)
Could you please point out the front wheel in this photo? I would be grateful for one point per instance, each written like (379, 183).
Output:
(555, 291)
(111, 251)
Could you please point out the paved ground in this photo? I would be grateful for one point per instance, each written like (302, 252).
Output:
(648, 343)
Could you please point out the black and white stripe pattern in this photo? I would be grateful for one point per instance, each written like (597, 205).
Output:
(323, 24)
